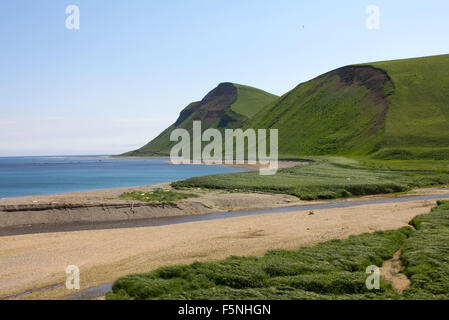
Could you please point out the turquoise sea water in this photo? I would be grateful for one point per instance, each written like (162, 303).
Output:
(23, 176)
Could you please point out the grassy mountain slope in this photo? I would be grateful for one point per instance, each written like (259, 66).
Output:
(227, 106)
(417, 123)
(392, 110)
(250, 100)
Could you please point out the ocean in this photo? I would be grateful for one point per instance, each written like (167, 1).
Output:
(25, 176)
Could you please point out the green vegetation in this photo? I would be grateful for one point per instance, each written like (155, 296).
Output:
(426, 255)
(158, 195)
(334, 114)
(332, 270)
(227, 106)
(417, 119)
(250, 100)
(387, 110)
(383, 110)
(328, 178)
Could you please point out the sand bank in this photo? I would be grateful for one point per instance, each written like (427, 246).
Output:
(105, 205)
(38, 260)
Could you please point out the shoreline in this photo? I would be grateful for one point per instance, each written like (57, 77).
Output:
(105, 255)
(87, 208)
(106, 206)
(96, 206)
(248, 167)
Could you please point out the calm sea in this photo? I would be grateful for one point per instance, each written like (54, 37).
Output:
(23, 176)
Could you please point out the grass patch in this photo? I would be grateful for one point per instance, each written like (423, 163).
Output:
(158, 195)
(426, 255)
(329, 178)
(330, 270)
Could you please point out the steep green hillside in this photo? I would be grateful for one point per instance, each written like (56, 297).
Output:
(387, 110)
(391, 110)
(227, 106)
(250, 100)
(417, 123)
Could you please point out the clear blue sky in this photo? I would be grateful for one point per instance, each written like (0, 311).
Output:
(126, 74)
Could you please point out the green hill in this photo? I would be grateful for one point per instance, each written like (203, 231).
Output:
(388, 110)
(227, 106)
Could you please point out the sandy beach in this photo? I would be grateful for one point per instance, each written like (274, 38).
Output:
(33, 261)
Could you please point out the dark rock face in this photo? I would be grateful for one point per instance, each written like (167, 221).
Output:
(375, 80)
(213, 106)
(369, 77)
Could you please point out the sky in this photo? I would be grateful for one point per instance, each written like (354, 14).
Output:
(121, 78)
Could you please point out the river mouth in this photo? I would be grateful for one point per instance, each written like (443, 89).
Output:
(156, 222)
